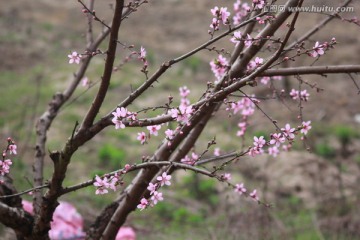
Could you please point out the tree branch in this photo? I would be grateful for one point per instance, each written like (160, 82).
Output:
(108, 69)
(305, 70)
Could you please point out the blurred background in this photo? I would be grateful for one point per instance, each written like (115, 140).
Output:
(315, 192)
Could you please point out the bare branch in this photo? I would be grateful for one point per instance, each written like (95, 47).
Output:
(305, 70)
(108, 69)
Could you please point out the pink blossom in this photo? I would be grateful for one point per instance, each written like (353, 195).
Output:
(184, 91)
(143, 204)
(215, 11)
(259, 61)
(187, 160)
(236, 38)
(215, 24)
(119, 114)
(248, 40)
(101, 185)
(245, 106)
(113, 183)
(277, 139)
(67, 223)
(142, 53)
(141, 137)
(259, 142)
(194, 156)
(273, 151)
(287, 148)
(254, 151)
(265, 80)
(259, 3)
(254, 195)
(154, 129)
(294, 94)
(156, 197)
(241, 10)
(219, 67)
(169, 134)
(239, 188)
(74, 58)
(226, 176)
(317, 50)
(288, 131)
(224, 13)
(217, 152)
(118, 123)
(277, 77)
(182, 114)
(260, 20)
(306, 126)
(152, 188)
(5, 166)
(164, 179)
(85, 82)
(126, 233)
(242, 126)
(12, 149)
(304, 95)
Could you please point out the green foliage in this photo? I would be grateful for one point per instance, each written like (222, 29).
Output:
(201, 189)
(111, 156)
(325, 150)
(178, 216)
(344, 134)
(192, 63)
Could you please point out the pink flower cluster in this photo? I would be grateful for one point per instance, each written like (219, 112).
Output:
(156, 196)
(246, 108)
(219, 67)
(153, 130)
(182, 114)
(240, 11)
(278, 139)
(259, 4)
(67, 223)
(265, 80)
(122, 114)
(240, 189)
(220, 15)
(255, 64)
(6, 163)
(302, 95)
(190, 160)
(319, 49)
(102, 185)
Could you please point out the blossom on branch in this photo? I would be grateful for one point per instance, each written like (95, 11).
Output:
(164, 179)
(74, 57)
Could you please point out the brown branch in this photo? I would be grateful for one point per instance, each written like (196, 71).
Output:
(89, 33)
(62, 159)
(239, 65)
(315, 29)
(17, 219)
(106, 120)
(49, 115)
(131, 196)
(240, 46)
(305, 70)
(108, 69)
